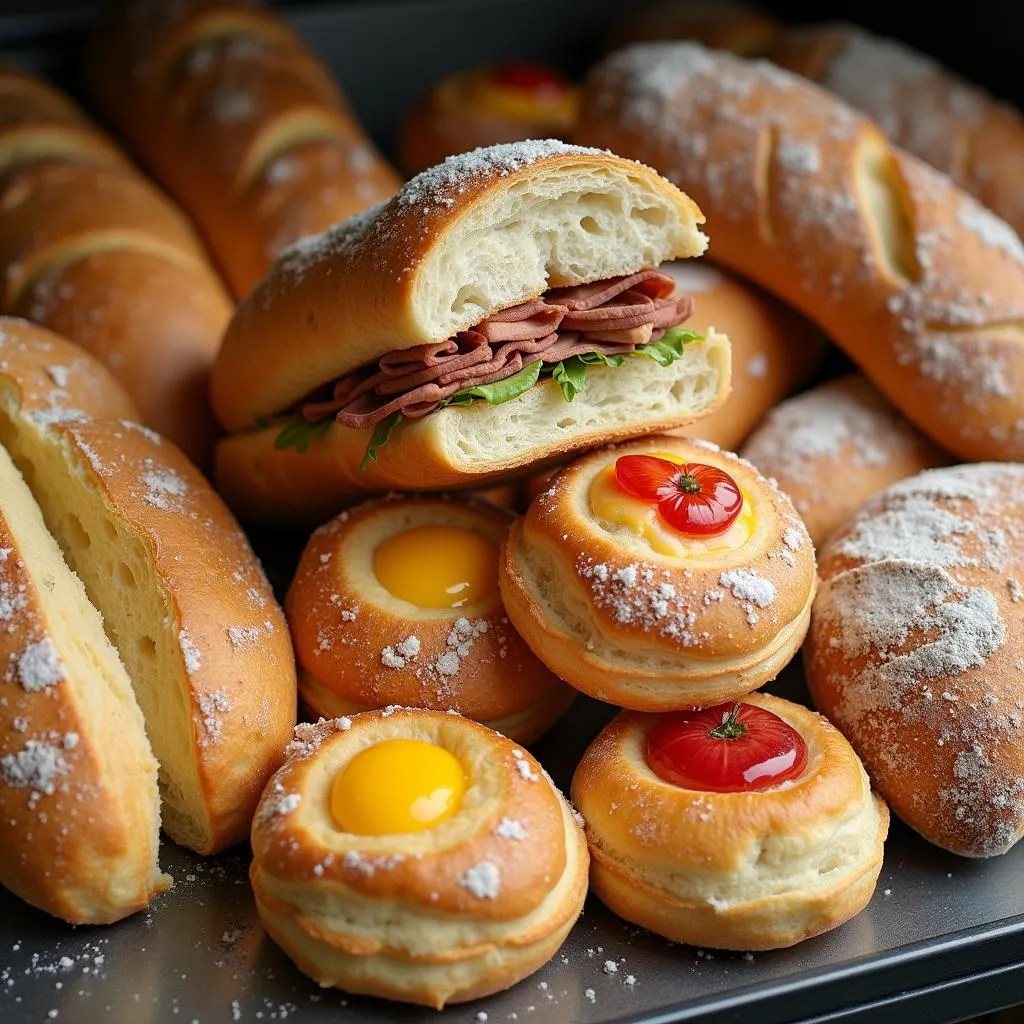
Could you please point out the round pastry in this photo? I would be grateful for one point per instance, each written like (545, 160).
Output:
(661, 574)
(397, 602)
(456, 880)
(487, 105)
(835, 446)
(747, 826)
(916, 651)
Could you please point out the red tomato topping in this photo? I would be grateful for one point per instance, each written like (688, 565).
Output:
(730, 748)
(696, 500)
(529, 78)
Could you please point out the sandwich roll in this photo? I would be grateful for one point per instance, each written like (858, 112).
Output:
(181, 594)
(484, 106)
(660, 574)
(834, 447)
(920, 285)
(459, 879)
(91, 249)
(397, 602)
(750, 826)
(233, 113)
(502, 310)
(928, 110)
(916, 651)
(775, 351)
(79, 808)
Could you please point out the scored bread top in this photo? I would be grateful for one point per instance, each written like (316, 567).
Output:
(480, 232)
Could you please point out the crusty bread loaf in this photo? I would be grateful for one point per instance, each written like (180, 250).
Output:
(79, 808)
(923, 107)
(916, 651)
(921, 286)
(835, 446)
(233, 113)
(182, 596)
(774, 349)
(91, 249)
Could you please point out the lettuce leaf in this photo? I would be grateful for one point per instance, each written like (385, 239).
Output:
(571, 376)
(298, 432)
(381, 435)
(669, 347)
(500, 391)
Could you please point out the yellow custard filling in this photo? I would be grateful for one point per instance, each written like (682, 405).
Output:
(437, 566)
(397, 786)
(614, 506)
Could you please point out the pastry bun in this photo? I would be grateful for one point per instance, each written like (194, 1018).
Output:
(180, 591)
(459, 910)
(774, 349)
(360, 646)
(916, 651)
(484, 106)
(624, 622)
(733, 870)
(79, 808)
(836, 445)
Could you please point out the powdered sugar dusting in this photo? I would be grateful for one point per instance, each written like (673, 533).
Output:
(189, 651)
(750, 590)
(308, 736)
(37, 766)
(40, 666)
(482, 880)
(162, 485)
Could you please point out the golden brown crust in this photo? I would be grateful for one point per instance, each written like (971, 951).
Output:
(626, 624)
(731, 870)
(774, 350)
(91, 249)
(76, 839)
(918, 283)
(273, 151)
(835, 446)
(473, 904)
(360, 647)
(929, 111)
(916, 651)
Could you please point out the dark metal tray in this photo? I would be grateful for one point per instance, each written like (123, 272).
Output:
(943, 938)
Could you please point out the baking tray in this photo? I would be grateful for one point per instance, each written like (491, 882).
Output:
(943, 938)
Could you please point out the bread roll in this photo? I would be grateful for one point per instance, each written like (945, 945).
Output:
(429, 275)
(916, 651)
(79, 809)
(91, 249)
(234, 114)
(731, 870)
(774, 350)
(181, 593)
(919, 284)
(633, 612)
(459, 909)
(923, 107)
(833, 447)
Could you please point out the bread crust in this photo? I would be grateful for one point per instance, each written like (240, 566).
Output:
(626, 624)
(348, 630)
(258, 115)
(916, 651)
(755, 870)
(79, 809)
(320, 892)
(835, 446)
(919, 284)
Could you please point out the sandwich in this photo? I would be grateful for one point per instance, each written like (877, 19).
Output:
(502, 311)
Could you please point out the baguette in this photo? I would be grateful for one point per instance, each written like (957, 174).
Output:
(236, 117)
(89, 248)
(182, 595)
(919, 284)
(923, 107)
(79, 809)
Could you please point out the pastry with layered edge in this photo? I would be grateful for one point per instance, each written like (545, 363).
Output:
(183, 598)
(660, 574)
(397, 602)
(745, 826)
(79, 807)
(459, 878)
(916, 651)
(504, 309)
(484, 106)
(835, 446)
